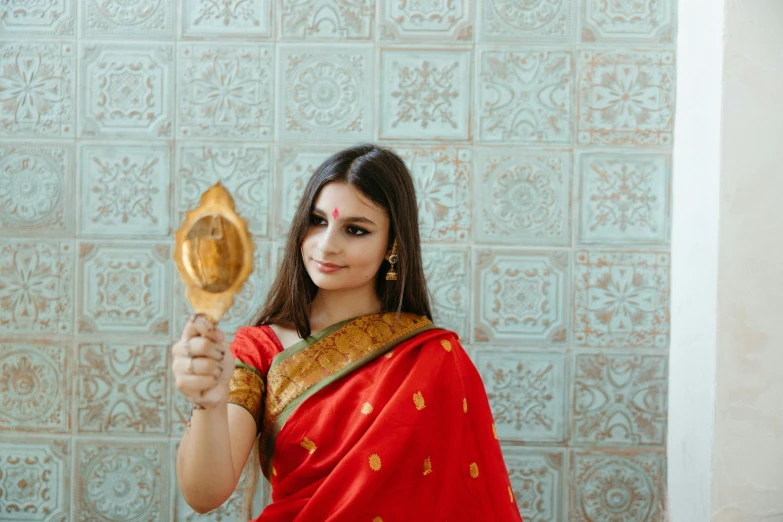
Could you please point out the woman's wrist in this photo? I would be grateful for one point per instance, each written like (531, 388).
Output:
(209, 408)
(207, 415)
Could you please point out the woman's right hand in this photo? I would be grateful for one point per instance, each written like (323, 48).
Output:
(202, 363)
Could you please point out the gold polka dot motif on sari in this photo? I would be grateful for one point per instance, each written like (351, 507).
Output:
(427, 466)
(309, 445)
(446, 345)
(474, 471)
(375, 462)
(465, 405)
(418, 400)
(366, 408)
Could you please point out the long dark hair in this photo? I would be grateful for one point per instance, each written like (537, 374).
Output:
(381, 176)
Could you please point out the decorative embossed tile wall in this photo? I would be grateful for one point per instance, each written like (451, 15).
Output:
(539, 137)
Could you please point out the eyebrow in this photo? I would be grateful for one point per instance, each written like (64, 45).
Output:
(352, 219)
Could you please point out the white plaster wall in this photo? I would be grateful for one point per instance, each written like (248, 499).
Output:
(696, 175)
(747, 483)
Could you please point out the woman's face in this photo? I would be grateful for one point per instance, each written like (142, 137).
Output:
(347, 239)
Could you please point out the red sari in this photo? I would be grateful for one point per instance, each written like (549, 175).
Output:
(382, 418)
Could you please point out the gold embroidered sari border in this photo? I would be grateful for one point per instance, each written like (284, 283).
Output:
(346, 348)
(293, 350)
(246, 390)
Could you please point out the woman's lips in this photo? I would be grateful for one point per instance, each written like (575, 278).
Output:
(325, 267)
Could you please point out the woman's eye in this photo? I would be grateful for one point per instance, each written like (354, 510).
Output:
(317, 220)
(356, 231)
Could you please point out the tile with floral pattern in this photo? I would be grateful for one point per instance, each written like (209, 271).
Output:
(37, 89)
(442, 177)
(526, 197)
(36, 286)
(125, 190)
(326, 92)
(35, 188)
(23, 18)
(525, 96)
(624, 198)
(35, 386)
(619, 399)
(121, 481)
(126, 91)
(537, 476)
(35, 479)
(425, 94)
(124, 288)
(626, 97)
(226, 19)
(527, 393)
(123, 388)
(225, 91)
(337, 20)
(512, 20)
(650, 21)
(140, 19)
(621, 299)
(521, 297)
(426, 21)
(612, 486)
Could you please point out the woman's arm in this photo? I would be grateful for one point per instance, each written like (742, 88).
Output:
(212, 454)
(219, 436)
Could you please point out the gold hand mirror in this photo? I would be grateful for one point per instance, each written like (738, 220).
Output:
(214, 253)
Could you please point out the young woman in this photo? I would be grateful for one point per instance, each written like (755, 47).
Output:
(364, 410)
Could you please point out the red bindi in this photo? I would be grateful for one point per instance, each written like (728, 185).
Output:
(335, 213)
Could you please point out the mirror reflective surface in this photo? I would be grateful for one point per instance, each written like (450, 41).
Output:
(214, 253)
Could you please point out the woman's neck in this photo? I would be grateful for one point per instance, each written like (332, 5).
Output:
(333, 306)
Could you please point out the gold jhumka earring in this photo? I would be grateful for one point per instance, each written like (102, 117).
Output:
(391, 275)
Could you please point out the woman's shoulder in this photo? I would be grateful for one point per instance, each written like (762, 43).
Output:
(258, 334)
(256, 346)
(442, 337)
